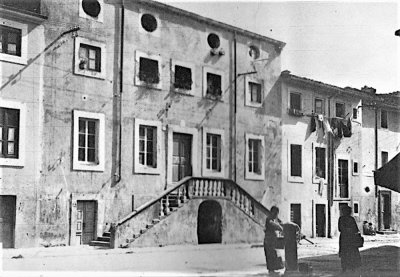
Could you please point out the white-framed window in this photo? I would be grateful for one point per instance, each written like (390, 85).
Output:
(12, 133)
(319, 106)
(147, 153)
(384, 119)
(340, 110)
(148, 70)
(253, 93)
(356, 208)
(90, 58)
(342, 176)
(255, 157)
(88, 141)
(320, 165)
(149, 23)
(14, 41)
(213, 152)
(213, 83)
(182, 77)
(355, 167)
(295, 162)
(92, 10)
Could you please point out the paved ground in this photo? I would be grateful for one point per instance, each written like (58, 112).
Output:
(381, 257)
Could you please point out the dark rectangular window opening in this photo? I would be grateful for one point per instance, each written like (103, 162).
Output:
(214, 85)
(148, 71)
(295, 213)
(89, 57)
(384, 157)
(340, 110)
(10, 40)
(355, 208)
(384, 119)
(9, 133)
(295, 101)
(355, 167)
(255, 92)
(295, 160)
(320, 161)
(319, 106)
(355, 110)
(343, 178)
(183, 78)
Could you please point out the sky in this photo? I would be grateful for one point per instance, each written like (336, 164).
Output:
(341, 43)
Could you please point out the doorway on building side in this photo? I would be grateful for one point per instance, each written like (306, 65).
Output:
(209, 222)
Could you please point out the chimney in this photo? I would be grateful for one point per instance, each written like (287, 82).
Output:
(369, 90)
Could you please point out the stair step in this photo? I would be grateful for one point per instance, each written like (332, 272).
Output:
(106, 234)
(148, 226)
(155, 221)
(135, 236)
(142, 231)
(107, 239)
(99, 243)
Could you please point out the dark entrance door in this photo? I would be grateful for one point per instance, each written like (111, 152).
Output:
(7, 220)
(181, 156)
(209, 221)
(87, 213)
(320, 218)
(385, 209)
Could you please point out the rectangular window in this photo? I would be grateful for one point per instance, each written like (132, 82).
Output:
(355, 113)
(148, 146)
(384, 157)
(10, 40)
(295, 160)
(148, 71)
(213, 152)
(340, 110)
(214, 85)
(9, 133)
(384, 119)
(320, 162)
(343, 178)
(295, 101)
(254, 165)
(255, 92)
(89, 57)
(183, 77)
(87, 140)
(356, 208)
(295, 213)
(319, 106)
(355, 168)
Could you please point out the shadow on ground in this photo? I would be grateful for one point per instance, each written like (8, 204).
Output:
(376, 262)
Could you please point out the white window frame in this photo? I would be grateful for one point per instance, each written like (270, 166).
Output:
(336, 176)
(344, 105)
(23, 59)
(208, 172)
(20, 161)
(290, 91)
(85, 166)
(156, 32)
(187, 65)
(86, 72)
(250, 175)
(206, 70)
(140, 168)
(358, 203)
(295, 179)
(248, 101)
(352, 167)
(99, 18)
(316, 179)
(138, 82)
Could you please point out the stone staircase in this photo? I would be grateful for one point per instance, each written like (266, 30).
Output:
(154, 212)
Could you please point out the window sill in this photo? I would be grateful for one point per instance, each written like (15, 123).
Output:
(91, 74)
(139, 169)
(213, 98)
(13, 59)
(254, 105)
(139, 83)
(293, 179)
(183, 91)
(210, 173)
(341, 199)
(256, 177)
(11, 162)
(88, 167)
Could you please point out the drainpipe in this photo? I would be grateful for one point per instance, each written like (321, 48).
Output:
(235, 105)
(330, 175)
(376, 167)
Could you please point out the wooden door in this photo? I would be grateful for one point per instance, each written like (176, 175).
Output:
(320, 220)
(86, 220)
(385, 209)
(7, 221)
(209, 222)
(181, 156)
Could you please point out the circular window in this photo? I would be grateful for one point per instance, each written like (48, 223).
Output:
(213, 40)
(367, 189)
(91, 7)
(254, 52)
(149, 22)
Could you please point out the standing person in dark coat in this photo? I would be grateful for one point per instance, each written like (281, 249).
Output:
(272, 226)
(348, 250)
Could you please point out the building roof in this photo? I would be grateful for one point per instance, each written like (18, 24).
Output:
(209, 21)
(368, 94)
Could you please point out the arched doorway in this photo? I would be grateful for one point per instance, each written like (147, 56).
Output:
(209, 221)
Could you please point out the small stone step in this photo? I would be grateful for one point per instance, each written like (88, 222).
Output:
(107, 239)
(106, 234)
(148, 226)
(99, 243)
(142, 231)
(135, 236)
(155, 221)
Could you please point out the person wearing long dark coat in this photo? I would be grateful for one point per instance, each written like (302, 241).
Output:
(348, 251)
(272, 225)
